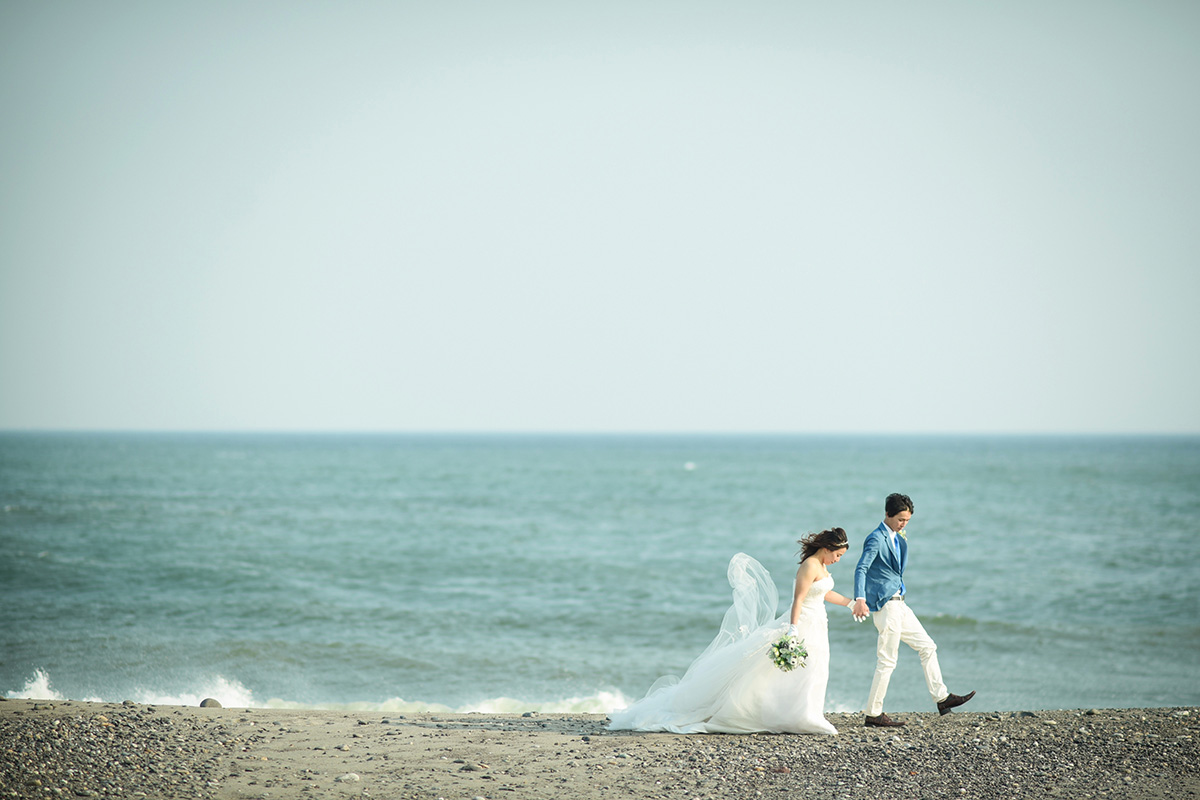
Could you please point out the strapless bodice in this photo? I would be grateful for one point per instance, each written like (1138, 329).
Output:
(816, 593)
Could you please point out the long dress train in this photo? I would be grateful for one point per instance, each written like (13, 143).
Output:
(733, 686)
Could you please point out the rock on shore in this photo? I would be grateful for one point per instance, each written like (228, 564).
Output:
(76, 749)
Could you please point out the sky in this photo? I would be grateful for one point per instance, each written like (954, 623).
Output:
(850, 217)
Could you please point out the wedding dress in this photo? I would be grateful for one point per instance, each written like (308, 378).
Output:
(734, 686)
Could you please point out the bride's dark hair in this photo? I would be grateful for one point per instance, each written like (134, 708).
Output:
(832, 539)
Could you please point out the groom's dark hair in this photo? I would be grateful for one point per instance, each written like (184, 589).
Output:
(896, 503)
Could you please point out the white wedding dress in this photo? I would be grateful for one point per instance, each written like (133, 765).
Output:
(734, 686)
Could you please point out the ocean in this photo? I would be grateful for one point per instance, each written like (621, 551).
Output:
(566, 573)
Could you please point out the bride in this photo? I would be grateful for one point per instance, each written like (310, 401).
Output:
(734, 687)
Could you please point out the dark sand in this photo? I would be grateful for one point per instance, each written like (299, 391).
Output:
(75, 749)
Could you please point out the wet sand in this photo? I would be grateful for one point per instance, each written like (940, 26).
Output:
(77, 749)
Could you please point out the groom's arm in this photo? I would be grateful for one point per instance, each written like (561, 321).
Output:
(869, 554)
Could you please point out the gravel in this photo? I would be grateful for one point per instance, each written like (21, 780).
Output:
(74, 749)
(108, 751)
(1139, 753)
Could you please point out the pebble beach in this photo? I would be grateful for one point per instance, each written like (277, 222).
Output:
(79, 749)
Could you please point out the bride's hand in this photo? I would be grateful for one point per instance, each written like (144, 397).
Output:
(793, 630)
(859, 609)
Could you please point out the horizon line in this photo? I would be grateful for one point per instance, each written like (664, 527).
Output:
(592, 433)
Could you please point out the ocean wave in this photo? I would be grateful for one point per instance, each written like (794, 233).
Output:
(38, 688)
(229, 693)
(232, 694)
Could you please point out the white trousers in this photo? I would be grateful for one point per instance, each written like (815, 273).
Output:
(897, 623)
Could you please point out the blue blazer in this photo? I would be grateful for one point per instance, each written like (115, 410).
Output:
(879, 573)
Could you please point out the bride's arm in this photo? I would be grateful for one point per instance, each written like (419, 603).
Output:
(837, 599)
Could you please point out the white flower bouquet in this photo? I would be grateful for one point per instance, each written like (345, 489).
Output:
(788, 653)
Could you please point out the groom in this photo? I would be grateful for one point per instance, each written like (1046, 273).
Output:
(879, 587)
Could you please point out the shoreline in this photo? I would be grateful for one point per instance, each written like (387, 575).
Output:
(86, 749)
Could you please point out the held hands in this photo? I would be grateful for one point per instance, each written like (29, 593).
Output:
(859, 609)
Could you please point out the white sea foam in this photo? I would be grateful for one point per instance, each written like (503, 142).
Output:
(600, 703)
(38, 688)
(232, 694)
(229, 693)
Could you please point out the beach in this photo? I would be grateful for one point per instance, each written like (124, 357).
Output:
(82, 749)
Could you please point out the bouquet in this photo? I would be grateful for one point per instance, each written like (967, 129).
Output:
(788, 653)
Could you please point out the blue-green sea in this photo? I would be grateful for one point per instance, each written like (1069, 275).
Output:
(521, 572)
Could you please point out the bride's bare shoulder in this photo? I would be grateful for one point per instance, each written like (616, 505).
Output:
(811, 567)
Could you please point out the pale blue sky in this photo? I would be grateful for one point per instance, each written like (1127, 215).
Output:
(785, 216)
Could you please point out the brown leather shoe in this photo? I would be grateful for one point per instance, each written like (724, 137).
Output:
(883, 721)
(953, 701)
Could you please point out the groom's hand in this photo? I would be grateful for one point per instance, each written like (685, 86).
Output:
(860, 610)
